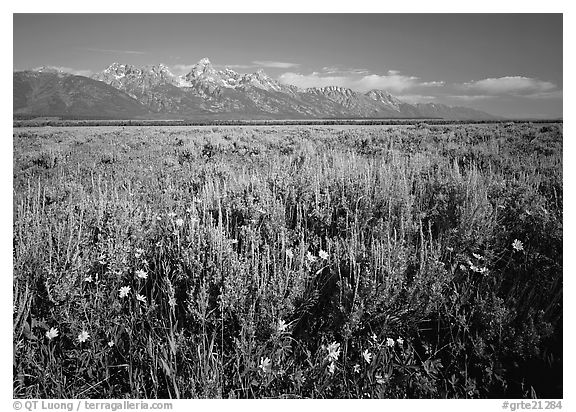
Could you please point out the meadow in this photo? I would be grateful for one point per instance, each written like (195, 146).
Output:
(408, 261)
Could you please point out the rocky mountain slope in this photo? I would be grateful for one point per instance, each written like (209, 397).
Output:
(206, 92)
(50, 93)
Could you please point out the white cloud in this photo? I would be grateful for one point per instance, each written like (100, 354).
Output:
(393, 81)
(86, 73)
(416, 98)
(470, 97)
(275, 65)
(113, 51)
(514, 85)
(554, 94)
(179, 69)
(432, 84)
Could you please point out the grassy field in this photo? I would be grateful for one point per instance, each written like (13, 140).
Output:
(411, 261)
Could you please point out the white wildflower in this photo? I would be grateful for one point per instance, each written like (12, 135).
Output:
(265, 365)
(83, 336)
(367, 356)
(333, 351)
(323, 254)
(332, 368)
(281, 326)
(124, 291)
(52, 333)
(517, 245)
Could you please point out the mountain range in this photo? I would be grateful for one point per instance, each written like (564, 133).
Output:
(124, 91)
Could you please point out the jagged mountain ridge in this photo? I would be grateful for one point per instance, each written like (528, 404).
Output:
(207, 92)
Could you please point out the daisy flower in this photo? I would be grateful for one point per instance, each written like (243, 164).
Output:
(390, 342)
(141, 274)
(179, 222)
(367, 356)
(265, 365)
(52, 333)
(83, 336)
(124, 291)
(323, 254)
(517, 245)
(281, 326)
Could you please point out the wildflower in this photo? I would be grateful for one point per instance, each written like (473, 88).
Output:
(144, 262)
(83, 336)
(367, 356)
(124, 291)
(282, 326)
(138, 253)
(265, 365)
(88, 279)
(140, 298)
(111, 343)
(400, 341)
(141, 274)
(477, 256)
(289, 253)
(179, 222)
(356, 368)
(517, 245)
(323, 254)
(390, 342)
(310, 257)
(380, 380)
(332, 368)
(52, 333)
(462, 267)
(333, 351)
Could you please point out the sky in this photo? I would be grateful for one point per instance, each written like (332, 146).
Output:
(504, 64)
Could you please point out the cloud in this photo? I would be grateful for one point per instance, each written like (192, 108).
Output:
(236, 66)
(113, 51)
(416, 98)
(336, 70)
(78, 72)
(470, 97)
(513, 85)
(393, 81)
(275, 65)
(554, 94)
(431, 84)
(181, 68)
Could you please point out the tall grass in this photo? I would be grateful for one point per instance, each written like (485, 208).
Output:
(276, 262)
